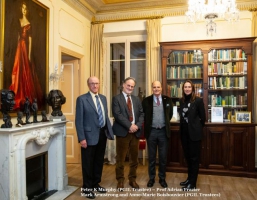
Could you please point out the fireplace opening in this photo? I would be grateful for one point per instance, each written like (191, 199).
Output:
(37, 177)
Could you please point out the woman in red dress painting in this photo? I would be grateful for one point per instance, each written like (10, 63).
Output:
(25, 82)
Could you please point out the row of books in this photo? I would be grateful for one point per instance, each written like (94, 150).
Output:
(228, 100)
(180, 57)
(227, 82)
(184, 72)
(230, 68)
(226, 54)
(176, 90)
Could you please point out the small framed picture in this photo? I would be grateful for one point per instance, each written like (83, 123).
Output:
(216, 114)
(243, 117)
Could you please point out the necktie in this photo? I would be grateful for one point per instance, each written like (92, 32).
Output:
(129, 104)
(158, 101)
(99, 111)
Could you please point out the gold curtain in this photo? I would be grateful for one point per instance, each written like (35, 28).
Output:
(153, 52)
(96, 51)
(254, 34)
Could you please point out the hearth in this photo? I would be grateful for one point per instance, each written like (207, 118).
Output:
(21, 146)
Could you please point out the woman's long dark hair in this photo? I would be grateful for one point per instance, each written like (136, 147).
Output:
(27, 9)
(193, 96)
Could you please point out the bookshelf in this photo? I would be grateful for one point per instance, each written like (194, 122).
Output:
(222, 73)
(227, 81)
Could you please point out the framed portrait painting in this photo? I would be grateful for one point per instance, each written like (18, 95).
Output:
(24, 51)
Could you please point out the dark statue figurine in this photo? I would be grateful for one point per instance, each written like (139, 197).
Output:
(55, 99)
(19, 119)
(34, 108)
(26, 110)
(44, 118)
(7, 104)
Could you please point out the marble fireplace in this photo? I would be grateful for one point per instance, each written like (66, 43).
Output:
(19, 143)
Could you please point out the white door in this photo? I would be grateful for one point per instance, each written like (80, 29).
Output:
(69, 85)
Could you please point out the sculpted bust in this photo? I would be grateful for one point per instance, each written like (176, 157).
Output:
(55, 99)
(7, 104)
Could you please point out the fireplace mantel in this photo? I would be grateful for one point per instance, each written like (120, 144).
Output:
(19, 143)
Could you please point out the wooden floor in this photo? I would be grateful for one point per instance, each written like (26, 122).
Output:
(209, 186)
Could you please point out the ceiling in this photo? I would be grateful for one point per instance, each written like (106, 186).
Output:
(108, 10)
(111, 6)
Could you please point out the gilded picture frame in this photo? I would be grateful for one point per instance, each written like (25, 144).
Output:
(24, 51)
(243, 117)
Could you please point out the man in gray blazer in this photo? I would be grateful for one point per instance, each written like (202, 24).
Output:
(128, 113)
(93, 129)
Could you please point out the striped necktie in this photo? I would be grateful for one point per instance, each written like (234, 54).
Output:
(99, 111)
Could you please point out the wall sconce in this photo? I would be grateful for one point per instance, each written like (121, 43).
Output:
(55, 77)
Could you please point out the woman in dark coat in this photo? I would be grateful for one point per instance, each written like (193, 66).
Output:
(192, 120)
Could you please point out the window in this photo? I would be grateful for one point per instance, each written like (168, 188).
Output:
(127, 58)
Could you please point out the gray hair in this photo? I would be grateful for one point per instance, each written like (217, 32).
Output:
(130, 78)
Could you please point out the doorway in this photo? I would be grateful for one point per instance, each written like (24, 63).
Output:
(69, 84)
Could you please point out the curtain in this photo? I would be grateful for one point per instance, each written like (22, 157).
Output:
(96, 52)
(153, 52)
(254, 34)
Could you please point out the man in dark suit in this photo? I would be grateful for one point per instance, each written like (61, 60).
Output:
(93, 129)
(128, 113)
(158, 110)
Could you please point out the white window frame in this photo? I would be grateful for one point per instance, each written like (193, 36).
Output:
(121, 39)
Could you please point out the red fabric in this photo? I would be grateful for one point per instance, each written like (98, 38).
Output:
(24, 79)
(142, 141)
(142, 144)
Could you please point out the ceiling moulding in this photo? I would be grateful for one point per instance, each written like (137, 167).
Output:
(82, 9)
(138, 15)
(102, 8)
(253, 9)
(99, 5)
(97, 10)
(247, 5)
(146, 14)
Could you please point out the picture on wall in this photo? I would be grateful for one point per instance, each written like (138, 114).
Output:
(25, 51)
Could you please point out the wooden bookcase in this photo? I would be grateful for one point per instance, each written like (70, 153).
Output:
(222, 73)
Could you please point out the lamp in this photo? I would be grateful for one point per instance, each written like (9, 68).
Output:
(199, 9)
(55, 77)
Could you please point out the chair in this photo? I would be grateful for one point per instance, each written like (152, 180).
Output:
(142, 144)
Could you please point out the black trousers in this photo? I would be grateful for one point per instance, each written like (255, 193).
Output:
(157, 139)
(192, 151)
(92, 159)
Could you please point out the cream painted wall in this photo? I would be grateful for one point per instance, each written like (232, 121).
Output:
(175, 28)
(69, 32)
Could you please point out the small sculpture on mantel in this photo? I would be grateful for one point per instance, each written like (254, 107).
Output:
(44, 118)
(56, 99)
(26, 110)
(19, 119)
(34, 108)
(7, 104)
